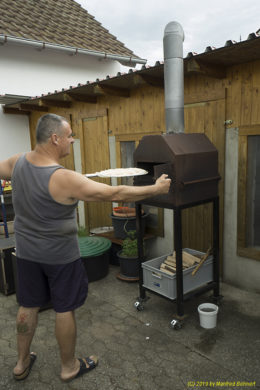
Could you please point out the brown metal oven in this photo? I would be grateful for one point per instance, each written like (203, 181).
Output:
(191, 161)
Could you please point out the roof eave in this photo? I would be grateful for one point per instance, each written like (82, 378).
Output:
(40, 45)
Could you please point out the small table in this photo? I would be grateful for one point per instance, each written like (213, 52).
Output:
(7, 284)
(7, 243)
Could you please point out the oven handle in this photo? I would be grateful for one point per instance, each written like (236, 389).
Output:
(187, 183)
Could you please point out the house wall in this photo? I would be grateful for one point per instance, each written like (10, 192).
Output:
(23, 70)
(237, 270)
(30, 72)
(209, 102)
(243, 91)
(143, 113)
(243, 108)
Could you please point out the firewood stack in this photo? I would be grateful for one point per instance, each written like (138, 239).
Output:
(169, 264)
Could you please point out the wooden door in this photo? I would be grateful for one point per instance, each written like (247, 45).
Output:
(96, 156)
(206, 117)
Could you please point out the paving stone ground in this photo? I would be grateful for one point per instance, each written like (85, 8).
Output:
(138, 350)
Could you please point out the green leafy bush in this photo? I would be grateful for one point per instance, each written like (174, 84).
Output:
(82, 231)
(129, 246)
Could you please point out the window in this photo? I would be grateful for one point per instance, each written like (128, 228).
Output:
(249, 192)
(127, 149)
(126, 145)
(253, 192)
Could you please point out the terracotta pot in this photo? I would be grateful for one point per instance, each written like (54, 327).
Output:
(124, 212)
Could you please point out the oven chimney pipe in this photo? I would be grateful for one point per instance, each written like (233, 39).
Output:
(173, 77)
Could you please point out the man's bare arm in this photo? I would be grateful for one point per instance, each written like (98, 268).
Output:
(66, 185)
(7, 166)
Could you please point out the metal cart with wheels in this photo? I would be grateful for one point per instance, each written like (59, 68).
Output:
(177, 322)
(191, 162)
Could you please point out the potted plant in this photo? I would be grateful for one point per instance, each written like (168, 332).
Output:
(124, 221)
(82, 231)
(128, 258)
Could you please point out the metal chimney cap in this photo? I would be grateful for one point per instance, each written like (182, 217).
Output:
(174, 28)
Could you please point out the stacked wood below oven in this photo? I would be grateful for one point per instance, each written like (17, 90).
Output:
(169, 264)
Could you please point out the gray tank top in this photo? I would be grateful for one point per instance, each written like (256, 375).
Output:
(45, 230)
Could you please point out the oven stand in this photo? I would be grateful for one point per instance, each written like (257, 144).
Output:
(214, 285)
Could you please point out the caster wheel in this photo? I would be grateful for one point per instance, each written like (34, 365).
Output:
(139, 306)
(176, 325)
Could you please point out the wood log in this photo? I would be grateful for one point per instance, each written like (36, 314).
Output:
(169, 267)
(204, 258)
(173, 264)
(173, 269)
(190, 258)
(170, 263)
(171, 258)
(168, 272)
(187, 263)
(196, 257)
(187, 259)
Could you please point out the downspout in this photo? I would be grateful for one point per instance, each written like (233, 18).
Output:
(174, 77)
(127, 61)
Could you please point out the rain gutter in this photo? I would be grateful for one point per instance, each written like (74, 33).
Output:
(40, 45)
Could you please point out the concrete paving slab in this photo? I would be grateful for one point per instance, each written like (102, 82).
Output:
(138, 350)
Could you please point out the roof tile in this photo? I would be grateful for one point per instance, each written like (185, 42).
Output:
(62, 22)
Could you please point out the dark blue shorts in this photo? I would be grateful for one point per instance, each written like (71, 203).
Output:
(64, 285)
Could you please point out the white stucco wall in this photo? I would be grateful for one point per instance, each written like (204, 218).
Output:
(239, 271)
(27, 71)
(14, 134)
(30, 72)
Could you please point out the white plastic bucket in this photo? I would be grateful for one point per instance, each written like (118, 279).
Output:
(208, 315)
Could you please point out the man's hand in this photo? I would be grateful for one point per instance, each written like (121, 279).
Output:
(163, 183)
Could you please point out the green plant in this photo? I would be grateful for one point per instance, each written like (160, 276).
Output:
(129, 245)
(82, 231)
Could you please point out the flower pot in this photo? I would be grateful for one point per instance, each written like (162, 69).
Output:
(122, 225)
(129, 268)
(95, 253)
(124, 212)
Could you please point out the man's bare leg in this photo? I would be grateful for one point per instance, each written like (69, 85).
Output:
(26, 323)
(66, 334)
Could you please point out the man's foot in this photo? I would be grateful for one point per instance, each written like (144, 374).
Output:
(23, 375)
(86, 364)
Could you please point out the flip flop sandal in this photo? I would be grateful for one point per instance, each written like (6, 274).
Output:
(26, 372)
(83, 369)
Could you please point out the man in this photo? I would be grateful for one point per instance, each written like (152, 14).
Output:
(45, 197)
